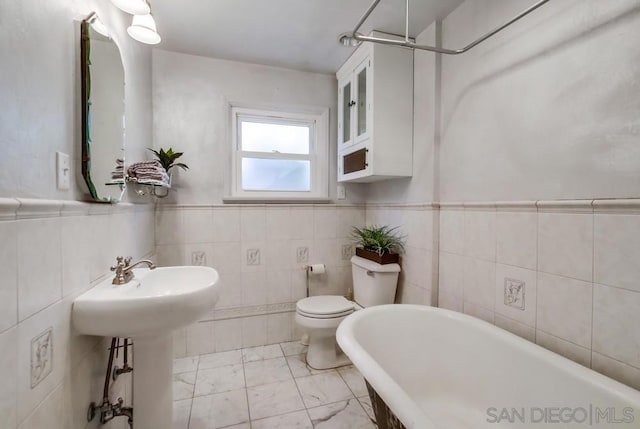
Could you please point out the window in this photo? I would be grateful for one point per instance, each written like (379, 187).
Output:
(279, 155)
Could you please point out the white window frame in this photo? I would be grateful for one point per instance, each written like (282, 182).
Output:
(318, 120)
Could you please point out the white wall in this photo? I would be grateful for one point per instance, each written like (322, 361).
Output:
(548, 108)
(422, 186)
(191, 96)
(40, 94)
(53, 248)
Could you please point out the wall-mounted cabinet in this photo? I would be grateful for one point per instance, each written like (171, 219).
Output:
(375, 114)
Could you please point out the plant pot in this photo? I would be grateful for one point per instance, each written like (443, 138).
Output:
(385, 258)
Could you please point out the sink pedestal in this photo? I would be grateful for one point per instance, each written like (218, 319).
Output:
(148, 309)
(152, 382)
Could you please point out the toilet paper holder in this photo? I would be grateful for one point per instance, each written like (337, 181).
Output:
(314, 269)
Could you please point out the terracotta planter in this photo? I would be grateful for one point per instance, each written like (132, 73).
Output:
(386, 258)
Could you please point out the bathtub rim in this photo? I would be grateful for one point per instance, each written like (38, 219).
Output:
(406, 409)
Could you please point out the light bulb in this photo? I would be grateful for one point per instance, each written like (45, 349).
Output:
(143, 29)
(134, 7)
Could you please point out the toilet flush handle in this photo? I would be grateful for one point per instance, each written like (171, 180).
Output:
(371, 273)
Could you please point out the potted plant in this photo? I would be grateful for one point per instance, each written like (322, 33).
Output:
(167, 158)
(379, 244)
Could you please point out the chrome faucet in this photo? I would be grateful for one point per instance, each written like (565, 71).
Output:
(123, 269)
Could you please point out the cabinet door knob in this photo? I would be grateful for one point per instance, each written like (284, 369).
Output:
(352, 103)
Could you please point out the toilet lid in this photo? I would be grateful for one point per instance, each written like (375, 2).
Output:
(325, 305)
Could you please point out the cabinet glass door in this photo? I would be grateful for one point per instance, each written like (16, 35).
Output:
(362, 103)
(346, 113)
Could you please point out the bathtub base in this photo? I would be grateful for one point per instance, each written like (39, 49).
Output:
(384, 416)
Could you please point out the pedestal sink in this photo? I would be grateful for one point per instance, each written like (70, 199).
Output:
(146, 309)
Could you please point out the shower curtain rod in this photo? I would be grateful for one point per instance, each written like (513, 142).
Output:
(407, 43)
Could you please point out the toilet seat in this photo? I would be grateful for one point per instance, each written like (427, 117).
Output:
(325, 307)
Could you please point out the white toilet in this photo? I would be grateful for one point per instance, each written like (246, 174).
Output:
(373, 284)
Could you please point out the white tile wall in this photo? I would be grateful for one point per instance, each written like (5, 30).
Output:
(256, 300)
(46, 262)
(515, 327)
(39, 265)
(565, 308)
(616, 323)
(9, 270)
(570, 350)
(451, 276)
(580, 270)
(479, 282)
(418, 278)
(452, 234)
(565, 244)
(616, 251)
(480, 234)
(9, 375)
(516, 238)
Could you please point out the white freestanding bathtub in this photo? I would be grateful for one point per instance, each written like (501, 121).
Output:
(435, 368)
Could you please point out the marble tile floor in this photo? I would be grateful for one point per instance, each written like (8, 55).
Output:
(267, 387)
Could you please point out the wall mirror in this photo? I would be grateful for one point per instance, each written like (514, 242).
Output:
(102, 98)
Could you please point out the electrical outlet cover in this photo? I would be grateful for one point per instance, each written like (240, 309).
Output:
(63, 171)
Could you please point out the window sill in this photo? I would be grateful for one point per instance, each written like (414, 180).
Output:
(276, 200)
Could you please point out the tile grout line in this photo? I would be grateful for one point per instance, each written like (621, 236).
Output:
(562, 339)
(535, 328)
(593, 286)
(246, 389)
(306, 410)
(352, 392)
(194, 392)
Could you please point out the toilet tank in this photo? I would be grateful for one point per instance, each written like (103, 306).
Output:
(373, 284)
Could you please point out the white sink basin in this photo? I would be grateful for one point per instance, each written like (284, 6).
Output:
(154, 302)
(147, 309)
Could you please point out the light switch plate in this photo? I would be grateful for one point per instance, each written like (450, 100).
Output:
(63, 171)
(342, 192)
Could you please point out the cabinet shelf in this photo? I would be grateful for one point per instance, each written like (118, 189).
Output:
(375, 114)
(143, 187)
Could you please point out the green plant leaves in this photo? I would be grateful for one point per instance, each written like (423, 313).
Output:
(381, 239)
(167, 158)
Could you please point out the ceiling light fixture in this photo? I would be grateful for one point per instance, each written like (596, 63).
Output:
(143, 29)
(133, 7)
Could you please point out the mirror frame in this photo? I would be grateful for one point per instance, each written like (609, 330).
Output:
(85, 96)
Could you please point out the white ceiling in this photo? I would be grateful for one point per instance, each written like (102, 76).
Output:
(297, 34)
